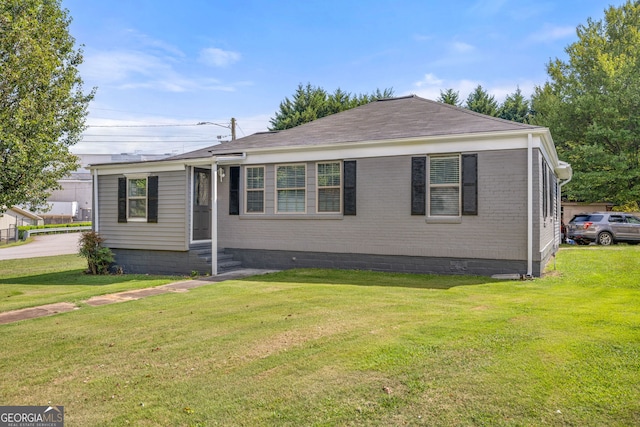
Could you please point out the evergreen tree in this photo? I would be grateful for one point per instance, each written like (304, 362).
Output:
(310, 103)
(515, 108)
(450, 97)
(481, 102)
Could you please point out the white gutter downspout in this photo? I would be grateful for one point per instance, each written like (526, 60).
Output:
(96, 219)
(530, 206)
(214, 218)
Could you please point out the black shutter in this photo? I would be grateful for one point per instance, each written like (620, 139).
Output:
(469, 184)
(122, 199)
(152, 199)
(349, 190)
(234, 190)
(418, 186)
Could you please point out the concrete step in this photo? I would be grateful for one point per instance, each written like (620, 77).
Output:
(225, 261)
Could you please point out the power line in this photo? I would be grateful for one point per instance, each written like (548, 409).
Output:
(150, 142)
(142, 136)
(155, 126)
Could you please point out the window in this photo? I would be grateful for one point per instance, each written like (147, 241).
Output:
(444, 186)
(329, 187)
(254, 200)
(137, 198)
(633, 220)
(291, 188)
(203, 185)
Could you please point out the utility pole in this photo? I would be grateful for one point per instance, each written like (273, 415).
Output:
(233, 129)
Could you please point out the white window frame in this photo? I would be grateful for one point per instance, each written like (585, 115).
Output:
(247, 190)
(319, 187)
(131, 178)
(277, 190)
(458, 186)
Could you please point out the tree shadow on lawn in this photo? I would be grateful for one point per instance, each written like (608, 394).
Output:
(75, 277)
(371, 278)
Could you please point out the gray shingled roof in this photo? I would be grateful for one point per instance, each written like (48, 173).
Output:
(393, 118)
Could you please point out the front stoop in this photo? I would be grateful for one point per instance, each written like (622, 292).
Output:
(226, 262)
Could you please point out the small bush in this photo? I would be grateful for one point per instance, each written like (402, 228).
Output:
(98, 257)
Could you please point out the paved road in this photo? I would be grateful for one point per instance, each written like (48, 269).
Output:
(51, 244)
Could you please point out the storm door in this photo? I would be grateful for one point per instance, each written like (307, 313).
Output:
(201, 204)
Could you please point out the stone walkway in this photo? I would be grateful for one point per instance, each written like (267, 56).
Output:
(182, 286)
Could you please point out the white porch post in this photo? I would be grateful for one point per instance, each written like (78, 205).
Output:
(214, 218)
(94, 205)
(530, 206)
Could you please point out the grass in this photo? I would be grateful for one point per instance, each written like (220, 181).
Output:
(325, 348)
(38, 281)
(20, 242)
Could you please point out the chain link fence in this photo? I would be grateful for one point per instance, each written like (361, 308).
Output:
(8, 235)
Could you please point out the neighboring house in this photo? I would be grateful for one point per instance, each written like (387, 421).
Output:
(14, 217)
(402, 184)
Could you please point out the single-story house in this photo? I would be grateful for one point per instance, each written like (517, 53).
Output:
(14, 217)
(402, 184)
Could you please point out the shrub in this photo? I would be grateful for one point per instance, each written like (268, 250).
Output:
(98, 257)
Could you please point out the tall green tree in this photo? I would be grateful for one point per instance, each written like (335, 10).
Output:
(42, 105)
(592, 106)
(309, 103)
(450, 96)
(481, 102)
(515, 108)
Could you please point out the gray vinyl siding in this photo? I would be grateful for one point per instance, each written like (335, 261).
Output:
(384, 224)
(170, 233)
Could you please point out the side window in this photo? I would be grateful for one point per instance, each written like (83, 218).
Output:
(291, 188)
(254, 189)
(137, 198)
(616, 218)
(633, 220)
(329, 187)
(545, 190)
(444, 185)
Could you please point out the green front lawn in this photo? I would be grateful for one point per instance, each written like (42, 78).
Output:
(319, 347)
(46, 280)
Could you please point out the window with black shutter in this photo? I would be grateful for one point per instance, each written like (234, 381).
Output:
(138, 199)
(349, 190)
(418, 186)
(234, 190)
(469, 184)
(152, 199)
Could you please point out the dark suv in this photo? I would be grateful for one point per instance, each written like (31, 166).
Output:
(604, 228)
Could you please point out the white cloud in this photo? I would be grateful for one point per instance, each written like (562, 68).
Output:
(431, 86)
(422, 38)
(117, 66)
(457, 53)
(137, 69)
(550, 33)
(461, 47)
(217, 57)
(429, 80)
(144, 42)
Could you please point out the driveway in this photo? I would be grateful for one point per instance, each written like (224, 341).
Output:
(43, 245)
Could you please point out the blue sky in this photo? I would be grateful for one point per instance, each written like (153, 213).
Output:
(161, 67)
